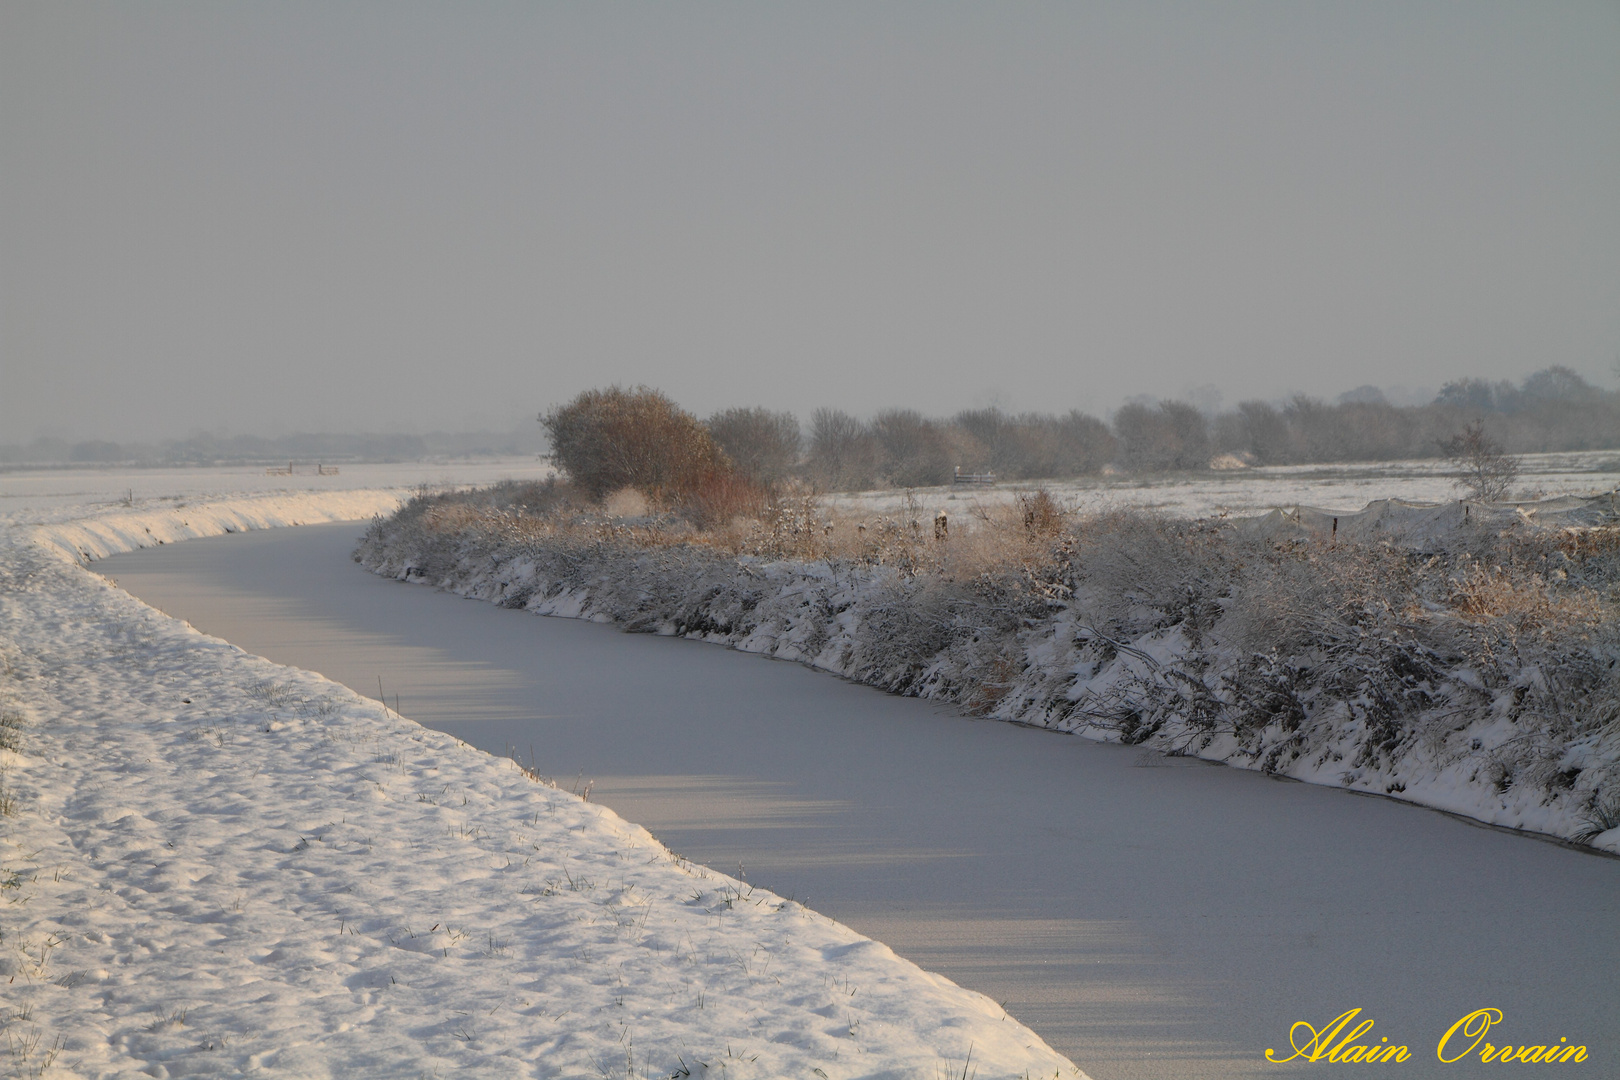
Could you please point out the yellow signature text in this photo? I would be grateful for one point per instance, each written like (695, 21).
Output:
(1477, 1024)
(1334, 1044)
(1344, 1039)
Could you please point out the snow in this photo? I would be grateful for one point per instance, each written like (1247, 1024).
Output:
(215, 865)
(36, 493)
(1254, 491)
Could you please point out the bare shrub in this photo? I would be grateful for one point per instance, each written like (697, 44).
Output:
(1487, 469)
(1141, 573)
(792, 526)
(1173, 435)
(1526, 603)
(1259, 429)
(1085, 444)
(1297, 594)
(11, 725)
(898, 540)
(843, 454)
(1031, 445)
(1041, 513)
(722, 496)
(912, 450)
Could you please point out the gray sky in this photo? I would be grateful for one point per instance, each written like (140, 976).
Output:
(293, 216)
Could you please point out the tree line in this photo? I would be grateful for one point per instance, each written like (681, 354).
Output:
(607, 439)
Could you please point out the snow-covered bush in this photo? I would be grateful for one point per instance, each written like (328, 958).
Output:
(1475, 671)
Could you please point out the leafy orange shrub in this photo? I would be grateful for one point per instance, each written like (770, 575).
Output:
(616, 438)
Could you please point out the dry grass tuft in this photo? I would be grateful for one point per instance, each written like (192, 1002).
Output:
(1524, 602)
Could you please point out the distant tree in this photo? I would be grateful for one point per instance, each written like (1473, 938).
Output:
(1363, 395)
(990, 431)
(762, 445)
(1030, 446)
(1487, 469)
(1557, 383)
(1173, 435)
(1478, 395)
(1314, 429)
(96, 450)
(1139, 436)
(912, 450)
(1085, 444)
(615, 438)
(1375, 431)
(1265, 433)
(842, 455)
(1189, 429)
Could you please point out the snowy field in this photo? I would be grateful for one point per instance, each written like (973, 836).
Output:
(212, 865)
(1244, 492)
(36, 496)
(40, 495)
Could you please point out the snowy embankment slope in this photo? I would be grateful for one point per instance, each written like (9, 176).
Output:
(210, 864)
(1494, 737)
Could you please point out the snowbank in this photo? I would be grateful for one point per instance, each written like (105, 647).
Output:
(211, 864)
(166, 521)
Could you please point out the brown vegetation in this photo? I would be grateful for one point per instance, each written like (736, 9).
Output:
(613, 440)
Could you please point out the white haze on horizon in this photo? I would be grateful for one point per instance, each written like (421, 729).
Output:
(413, 217)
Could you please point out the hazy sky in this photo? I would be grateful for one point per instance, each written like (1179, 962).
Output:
(288, 216)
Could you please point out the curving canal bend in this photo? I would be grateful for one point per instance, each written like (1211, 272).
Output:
(1149, 917)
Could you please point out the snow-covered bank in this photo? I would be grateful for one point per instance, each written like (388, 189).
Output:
(1330, 665)
(212, 864)
(167, 521)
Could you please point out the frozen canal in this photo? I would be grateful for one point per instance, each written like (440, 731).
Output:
(1149, 917)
